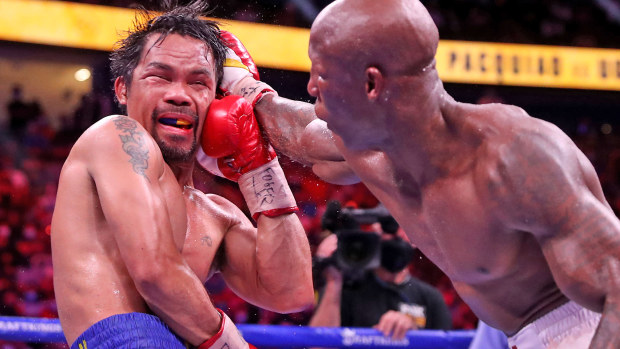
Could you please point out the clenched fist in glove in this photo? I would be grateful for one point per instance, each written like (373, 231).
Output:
(240, 72)
(232, 136)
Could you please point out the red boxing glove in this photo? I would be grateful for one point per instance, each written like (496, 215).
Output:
(227, 337)
(236, 45)
(231, 135)
(240, 72)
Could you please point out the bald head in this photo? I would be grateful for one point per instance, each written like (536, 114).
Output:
(397, 36)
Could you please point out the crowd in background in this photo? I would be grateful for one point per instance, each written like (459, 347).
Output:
(550, 22)
(33, 152)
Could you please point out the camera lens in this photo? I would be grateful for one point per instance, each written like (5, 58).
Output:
(357, 250)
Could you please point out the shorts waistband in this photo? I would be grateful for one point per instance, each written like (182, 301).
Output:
(135, 330)
(558, 323)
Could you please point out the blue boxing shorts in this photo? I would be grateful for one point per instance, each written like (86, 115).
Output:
(131, 330)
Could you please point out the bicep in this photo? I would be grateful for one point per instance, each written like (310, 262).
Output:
(335, 172)
(584, 250)
(237, 261)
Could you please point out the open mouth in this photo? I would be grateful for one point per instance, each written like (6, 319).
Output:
(178, 123)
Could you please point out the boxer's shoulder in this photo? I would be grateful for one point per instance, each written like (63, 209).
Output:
(113, 129)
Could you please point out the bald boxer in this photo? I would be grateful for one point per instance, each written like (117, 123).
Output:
(133, 241)
(505, 204)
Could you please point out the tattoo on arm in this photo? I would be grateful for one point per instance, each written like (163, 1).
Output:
(133, 144)
(206, 240)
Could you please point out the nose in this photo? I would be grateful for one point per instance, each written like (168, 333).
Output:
(312, 89)
(177, 95)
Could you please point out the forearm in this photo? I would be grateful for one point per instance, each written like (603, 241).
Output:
(284, 266)
(335, 172)
(293, 129)
(606, 336)
(284, 121)
(177, 296)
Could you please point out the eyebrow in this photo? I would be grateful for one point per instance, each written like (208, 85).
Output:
(159, 65)
(166, 67)
(201, 71)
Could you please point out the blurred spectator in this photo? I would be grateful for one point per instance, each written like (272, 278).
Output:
(367, 282)
(20, 112)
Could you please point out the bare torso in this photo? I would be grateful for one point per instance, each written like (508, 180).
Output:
(500, 272)
(91, 281)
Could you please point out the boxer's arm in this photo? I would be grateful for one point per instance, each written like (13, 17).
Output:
(551, 190)
(269, 266)
(293, 128)
(284, 122)
(288, 124)
(126, 168)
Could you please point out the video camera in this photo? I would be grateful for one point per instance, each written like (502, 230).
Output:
(358, 250)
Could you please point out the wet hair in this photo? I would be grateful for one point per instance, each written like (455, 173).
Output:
(185, 20)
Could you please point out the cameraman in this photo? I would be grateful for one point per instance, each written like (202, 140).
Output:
(366, 279)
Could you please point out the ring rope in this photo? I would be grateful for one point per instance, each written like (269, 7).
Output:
(39, 330)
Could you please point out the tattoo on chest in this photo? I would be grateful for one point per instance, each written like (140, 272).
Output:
(207, 240)
(133, 144)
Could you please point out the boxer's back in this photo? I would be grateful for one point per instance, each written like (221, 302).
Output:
(454, 216)
(91, 281)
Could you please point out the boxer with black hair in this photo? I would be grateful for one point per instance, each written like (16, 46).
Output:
(133, 241)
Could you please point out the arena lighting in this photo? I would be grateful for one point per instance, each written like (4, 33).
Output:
(96, 27)
(606, 129)
(82, 74)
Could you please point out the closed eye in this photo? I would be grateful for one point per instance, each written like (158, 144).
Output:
(158, 77)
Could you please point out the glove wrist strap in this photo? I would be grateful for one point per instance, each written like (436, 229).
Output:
(208, 163)
(250, 89)
(266, 191)
(228, 336)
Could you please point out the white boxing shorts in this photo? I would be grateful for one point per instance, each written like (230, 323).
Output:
(568, 326)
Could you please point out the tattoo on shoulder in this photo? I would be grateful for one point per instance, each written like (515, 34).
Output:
(133, 144)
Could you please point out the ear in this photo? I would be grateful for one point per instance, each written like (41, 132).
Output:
(120, 88)
(374, 83)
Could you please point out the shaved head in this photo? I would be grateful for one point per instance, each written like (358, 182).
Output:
(397, 36)
(371, 60)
